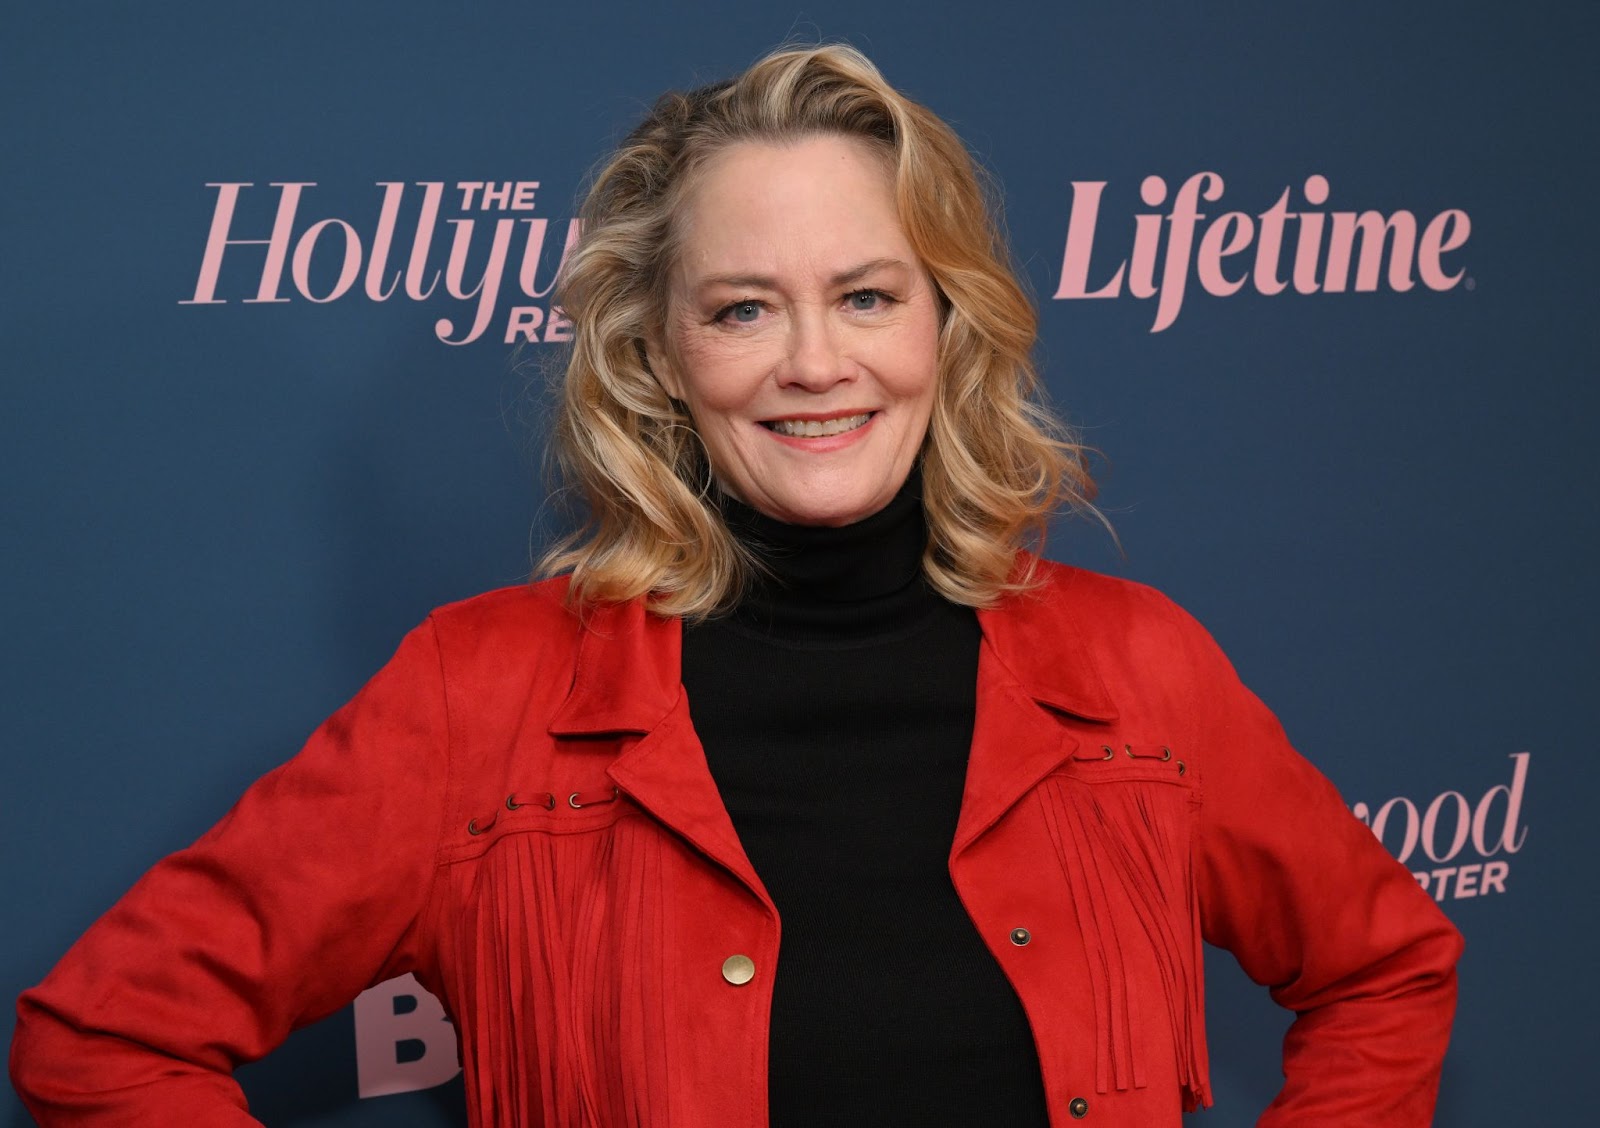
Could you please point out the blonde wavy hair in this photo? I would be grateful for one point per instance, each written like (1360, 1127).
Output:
(995, 463)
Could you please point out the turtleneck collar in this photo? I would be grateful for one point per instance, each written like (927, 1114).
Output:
(849, 583)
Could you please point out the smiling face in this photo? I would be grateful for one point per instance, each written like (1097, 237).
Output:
(802, 331)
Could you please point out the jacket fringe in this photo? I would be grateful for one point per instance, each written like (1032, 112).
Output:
(1129, 839)
(562, 962)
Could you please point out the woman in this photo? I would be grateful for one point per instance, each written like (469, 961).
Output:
(797, 678)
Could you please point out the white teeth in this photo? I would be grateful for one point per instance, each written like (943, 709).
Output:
(816, 429)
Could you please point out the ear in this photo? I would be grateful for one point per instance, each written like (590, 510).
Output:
(655, 355)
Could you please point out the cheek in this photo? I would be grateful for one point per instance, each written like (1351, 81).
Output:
(910, 361)
(717, 375)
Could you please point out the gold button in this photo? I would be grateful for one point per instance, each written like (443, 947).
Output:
(1020, 936)
(1079, 1108)
(738, 970)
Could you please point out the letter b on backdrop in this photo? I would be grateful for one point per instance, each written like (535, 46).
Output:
(404, 1042)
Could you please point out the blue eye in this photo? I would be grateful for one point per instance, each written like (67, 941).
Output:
(865, 299)
(744, 311)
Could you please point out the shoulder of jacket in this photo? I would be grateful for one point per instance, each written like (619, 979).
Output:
(531, 618)
(1160, 666)
(1096, 600)
(1132, 632)
(516, 606)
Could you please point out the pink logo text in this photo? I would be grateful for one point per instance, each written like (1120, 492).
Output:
(1396, 250)
(481, 248)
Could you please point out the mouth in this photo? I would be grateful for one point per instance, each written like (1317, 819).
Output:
(817, 428)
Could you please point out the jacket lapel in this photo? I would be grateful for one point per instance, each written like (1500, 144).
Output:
(1034, 665)
(629, 681)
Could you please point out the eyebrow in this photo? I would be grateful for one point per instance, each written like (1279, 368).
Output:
(767, 282)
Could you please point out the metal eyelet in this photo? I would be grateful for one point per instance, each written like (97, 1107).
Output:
(474, 828)
(1164, 756)
(548, 802)
(572, 800)
(1182, 768)
(1110, 755)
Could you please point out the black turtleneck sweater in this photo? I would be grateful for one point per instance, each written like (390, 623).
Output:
(836, 707)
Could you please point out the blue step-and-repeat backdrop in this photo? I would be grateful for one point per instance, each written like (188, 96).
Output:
(1318, 280)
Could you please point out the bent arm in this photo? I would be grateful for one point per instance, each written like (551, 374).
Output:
(1313, 907)
(307, 892)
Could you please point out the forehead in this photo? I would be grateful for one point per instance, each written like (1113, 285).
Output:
(764, 206)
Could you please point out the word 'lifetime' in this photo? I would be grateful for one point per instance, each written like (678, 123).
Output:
(1325, 245)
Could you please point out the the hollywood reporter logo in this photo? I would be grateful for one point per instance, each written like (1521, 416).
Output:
(1456, 847)
(1295, 244)
(374, 258)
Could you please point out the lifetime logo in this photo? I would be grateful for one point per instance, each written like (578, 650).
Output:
(1394, 250)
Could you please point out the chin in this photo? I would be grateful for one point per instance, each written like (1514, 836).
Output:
(833, 513)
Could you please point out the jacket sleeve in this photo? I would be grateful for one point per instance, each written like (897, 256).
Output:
(1313, 907)
(307, 892)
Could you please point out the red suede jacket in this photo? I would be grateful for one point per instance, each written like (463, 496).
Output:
(516, 808)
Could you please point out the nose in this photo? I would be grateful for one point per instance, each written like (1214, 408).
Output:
(817, 357)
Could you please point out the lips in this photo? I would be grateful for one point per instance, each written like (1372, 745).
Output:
(817, 428)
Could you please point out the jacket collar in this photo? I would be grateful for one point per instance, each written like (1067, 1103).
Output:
(1038, 638)
(1035, 665)
(628, 672)
(630, 661)
(627, 682)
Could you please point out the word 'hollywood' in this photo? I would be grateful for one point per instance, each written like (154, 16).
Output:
(1324, 246)
(1450, 830)
(338, 237)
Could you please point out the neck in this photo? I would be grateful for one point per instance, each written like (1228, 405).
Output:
(850, 581)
